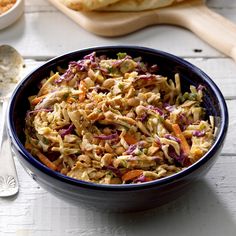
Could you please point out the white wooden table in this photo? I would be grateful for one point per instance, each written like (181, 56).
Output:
(209, 209)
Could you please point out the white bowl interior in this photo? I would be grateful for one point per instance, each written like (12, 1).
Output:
(13, 14)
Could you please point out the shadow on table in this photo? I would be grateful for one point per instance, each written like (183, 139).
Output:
(199, 212)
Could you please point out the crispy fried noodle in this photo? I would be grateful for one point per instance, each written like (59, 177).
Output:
(116, 121)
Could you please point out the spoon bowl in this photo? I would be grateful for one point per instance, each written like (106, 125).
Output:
(11, 65)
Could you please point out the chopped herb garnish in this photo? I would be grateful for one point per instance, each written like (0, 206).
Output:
(121, 55)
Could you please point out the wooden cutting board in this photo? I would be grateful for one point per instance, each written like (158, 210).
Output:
(192, 14)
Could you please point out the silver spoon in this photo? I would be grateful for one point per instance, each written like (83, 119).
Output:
(11, 65)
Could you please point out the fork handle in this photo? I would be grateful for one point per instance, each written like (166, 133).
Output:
(8, 177)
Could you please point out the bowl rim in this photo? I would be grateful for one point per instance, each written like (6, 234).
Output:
(116, 187)
(16, 4)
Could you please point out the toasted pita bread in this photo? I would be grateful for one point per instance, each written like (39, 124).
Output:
(138, 5)
(87, 5)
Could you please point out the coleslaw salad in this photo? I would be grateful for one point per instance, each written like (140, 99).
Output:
(117, 121)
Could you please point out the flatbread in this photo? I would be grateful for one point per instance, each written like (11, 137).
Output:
(117, 5)
(87, 5)
(138, 5)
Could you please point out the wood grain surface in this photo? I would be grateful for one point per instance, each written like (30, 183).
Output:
(192, 14)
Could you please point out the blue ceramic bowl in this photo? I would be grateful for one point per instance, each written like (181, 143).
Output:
(121, 198)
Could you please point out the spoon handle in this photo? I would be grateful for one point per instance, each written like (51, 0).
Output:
(8, 176)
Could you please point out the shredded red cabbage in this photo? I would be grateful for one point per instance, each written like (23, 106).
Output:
(38, 110)
(69, 130)
(117, 63)
(158, 141)
(141, 179)
(90, 56)
(168, 107)
(182, 159)
(116, 171)
(200, 87)
(183, 120)
(143, 118)
(156, 109)
(104, 71)
(153, 69)
(107, 137)
(171, 137)
(69, 74)
(131, 149)
(141, 67)
(80, 65)
(198, 133)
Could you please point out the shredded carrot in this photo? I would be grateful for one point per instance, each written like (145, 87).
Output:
(183, 142)
(147, 179)
(132, 174)
(41, 156)
(70, 100)
(45, 160)
(197, 153)
(37, 100)
(83, 90)
(167, 125)
(130, 139)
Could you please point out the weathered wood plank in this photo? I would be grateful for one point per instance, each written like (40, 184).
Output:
(230, 141)
(222, 71)
(38, 6)
(208, 209)
(221, 4)
(50, 31)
